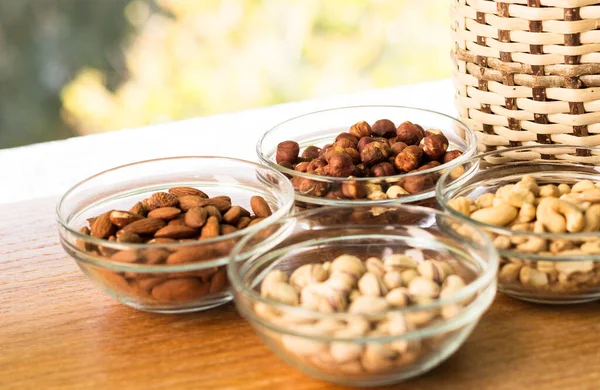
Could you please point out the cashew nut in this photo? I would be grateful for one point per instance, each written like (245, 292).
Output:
(582, 186)
(559, 216)
(485, 200)
(500, 215)
(527, 183)
(549, 191)
(592, 218)
(461, 204)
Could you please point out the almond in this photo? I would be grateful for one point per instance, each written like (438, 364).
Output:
(127, 256)
(123, 218)
(211, 228)
(191, 255)
(160, 199)
(155, 255)
(161, 241)
(218, 281)
(81, 244)
(196, 217)
(176, 232)
(233, 215)
(222, 203)
(151, 282)
(243, 222)
(102, 226)
(187, 202)
(138, 209)
(213, 212)
(166, 213)
(255, 221)
(180, 290)
(260, 207)
(125, 236)
(179, 221)
(227, 229)
(182, 191)
(145, 226)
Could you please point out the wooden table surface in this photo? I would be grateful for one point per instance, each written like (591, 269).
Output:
(58, 331)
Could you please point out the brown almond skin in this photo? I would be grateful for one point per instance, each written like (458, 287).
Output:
(243, 223)
(187, 202)
(180, 290)
(222, 203)
(102, 226)
(139, 209)
(161, 199)
(210, 229)
(155, 256)
(191, 255)
(145, 226)
(179, 221)
(123, 218)
(196, 217)
(176, 232)
(214, 212)
(161, 241)
(260, 207)
(255, 221)
(127, 256)
(181, 191)
(228, 229)
(218, 281)
(166, 213)
(125, 236)
(233, 215)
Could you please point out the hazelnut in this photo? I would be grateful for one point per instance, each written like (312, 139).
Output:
(335, 194)
(384, 128)
(429, 165)
(354, 190)
(409, 159)
(360, 129)
(315, 164)
(302, 167)
(361, 170)
(392, 140)
(311, 152)
(409, 133)
(287, 151)
(309, 187)
(451, 155)
(383, 169)
(397, 147)
(374, 153)
(325, 148)
(333, 150)
(353, 154)
(364, 141)
(340, 165)
(322, 171)
(348, 137)
(416, 184)
(435, 146)
(287, 165)
(344, 143)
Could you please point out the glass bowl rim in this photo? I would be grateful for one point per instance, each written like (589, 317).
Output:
(469, 152)
(481, 282)
(442, 189)
(64, 225)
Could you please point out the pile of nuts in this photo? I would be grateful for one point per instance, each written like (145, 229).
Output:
(368, 292)
(551, 208)
(379, 151)
(183, 214)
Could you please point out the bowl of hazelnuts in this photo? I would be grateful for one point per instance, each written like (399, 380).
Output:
(367, 154)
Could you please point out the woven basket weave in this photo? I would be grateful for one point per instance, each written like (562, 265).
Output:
(528, 71)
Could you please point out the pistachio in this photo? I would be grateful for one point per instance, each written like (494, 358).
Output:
(399, 262)
(372, 285)
(284, 293)
(393, 279)
(308, 274)
(368, 305)
(272, 277)
(422, 287)
(398, 297)
(375, 266)
(348, 264)
(432, 270)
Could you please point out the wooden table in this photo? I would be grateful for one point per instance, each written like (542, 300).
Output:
(58, 331)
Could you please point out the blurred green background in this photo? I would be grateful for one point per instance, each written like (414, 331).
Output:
(71, 67)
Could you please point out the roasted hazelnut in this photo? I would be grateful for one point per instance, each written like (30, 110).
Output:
(354, 190)
(451, 155)
(310, 153)
(384, 128)
(335, 194)
(429, 165)
(348, 137)
(353, 153)
(397, 147)
(332, 151)
(287, 151)
(409, 133)
(360, 129)
(315, 164)
(392, 140)
(309, 187)
(416, 184)
(340, 165)
(322, 171)
(374, 153)
(364, 141)
(325, 149)
(287, 165)
(361, 170)
(435, 146)
(344, 143)
(383, 169)
(409, 159)
(302, 167)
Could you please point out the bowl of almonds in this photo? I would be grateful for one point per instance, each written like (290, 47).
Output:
(366, 154)
(363, 295)
(541, 208)
(157, 235)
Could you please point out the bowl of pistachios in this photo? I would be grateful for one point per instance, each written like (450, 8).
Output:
(363, 295)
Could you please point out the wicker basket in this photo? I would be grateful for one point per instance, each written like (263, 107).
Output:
(528, 71)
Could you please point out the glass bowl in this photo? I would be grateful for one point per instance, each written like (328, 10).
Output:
(321, 128)
(360, 347)
(538, 262)
(145, 275)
